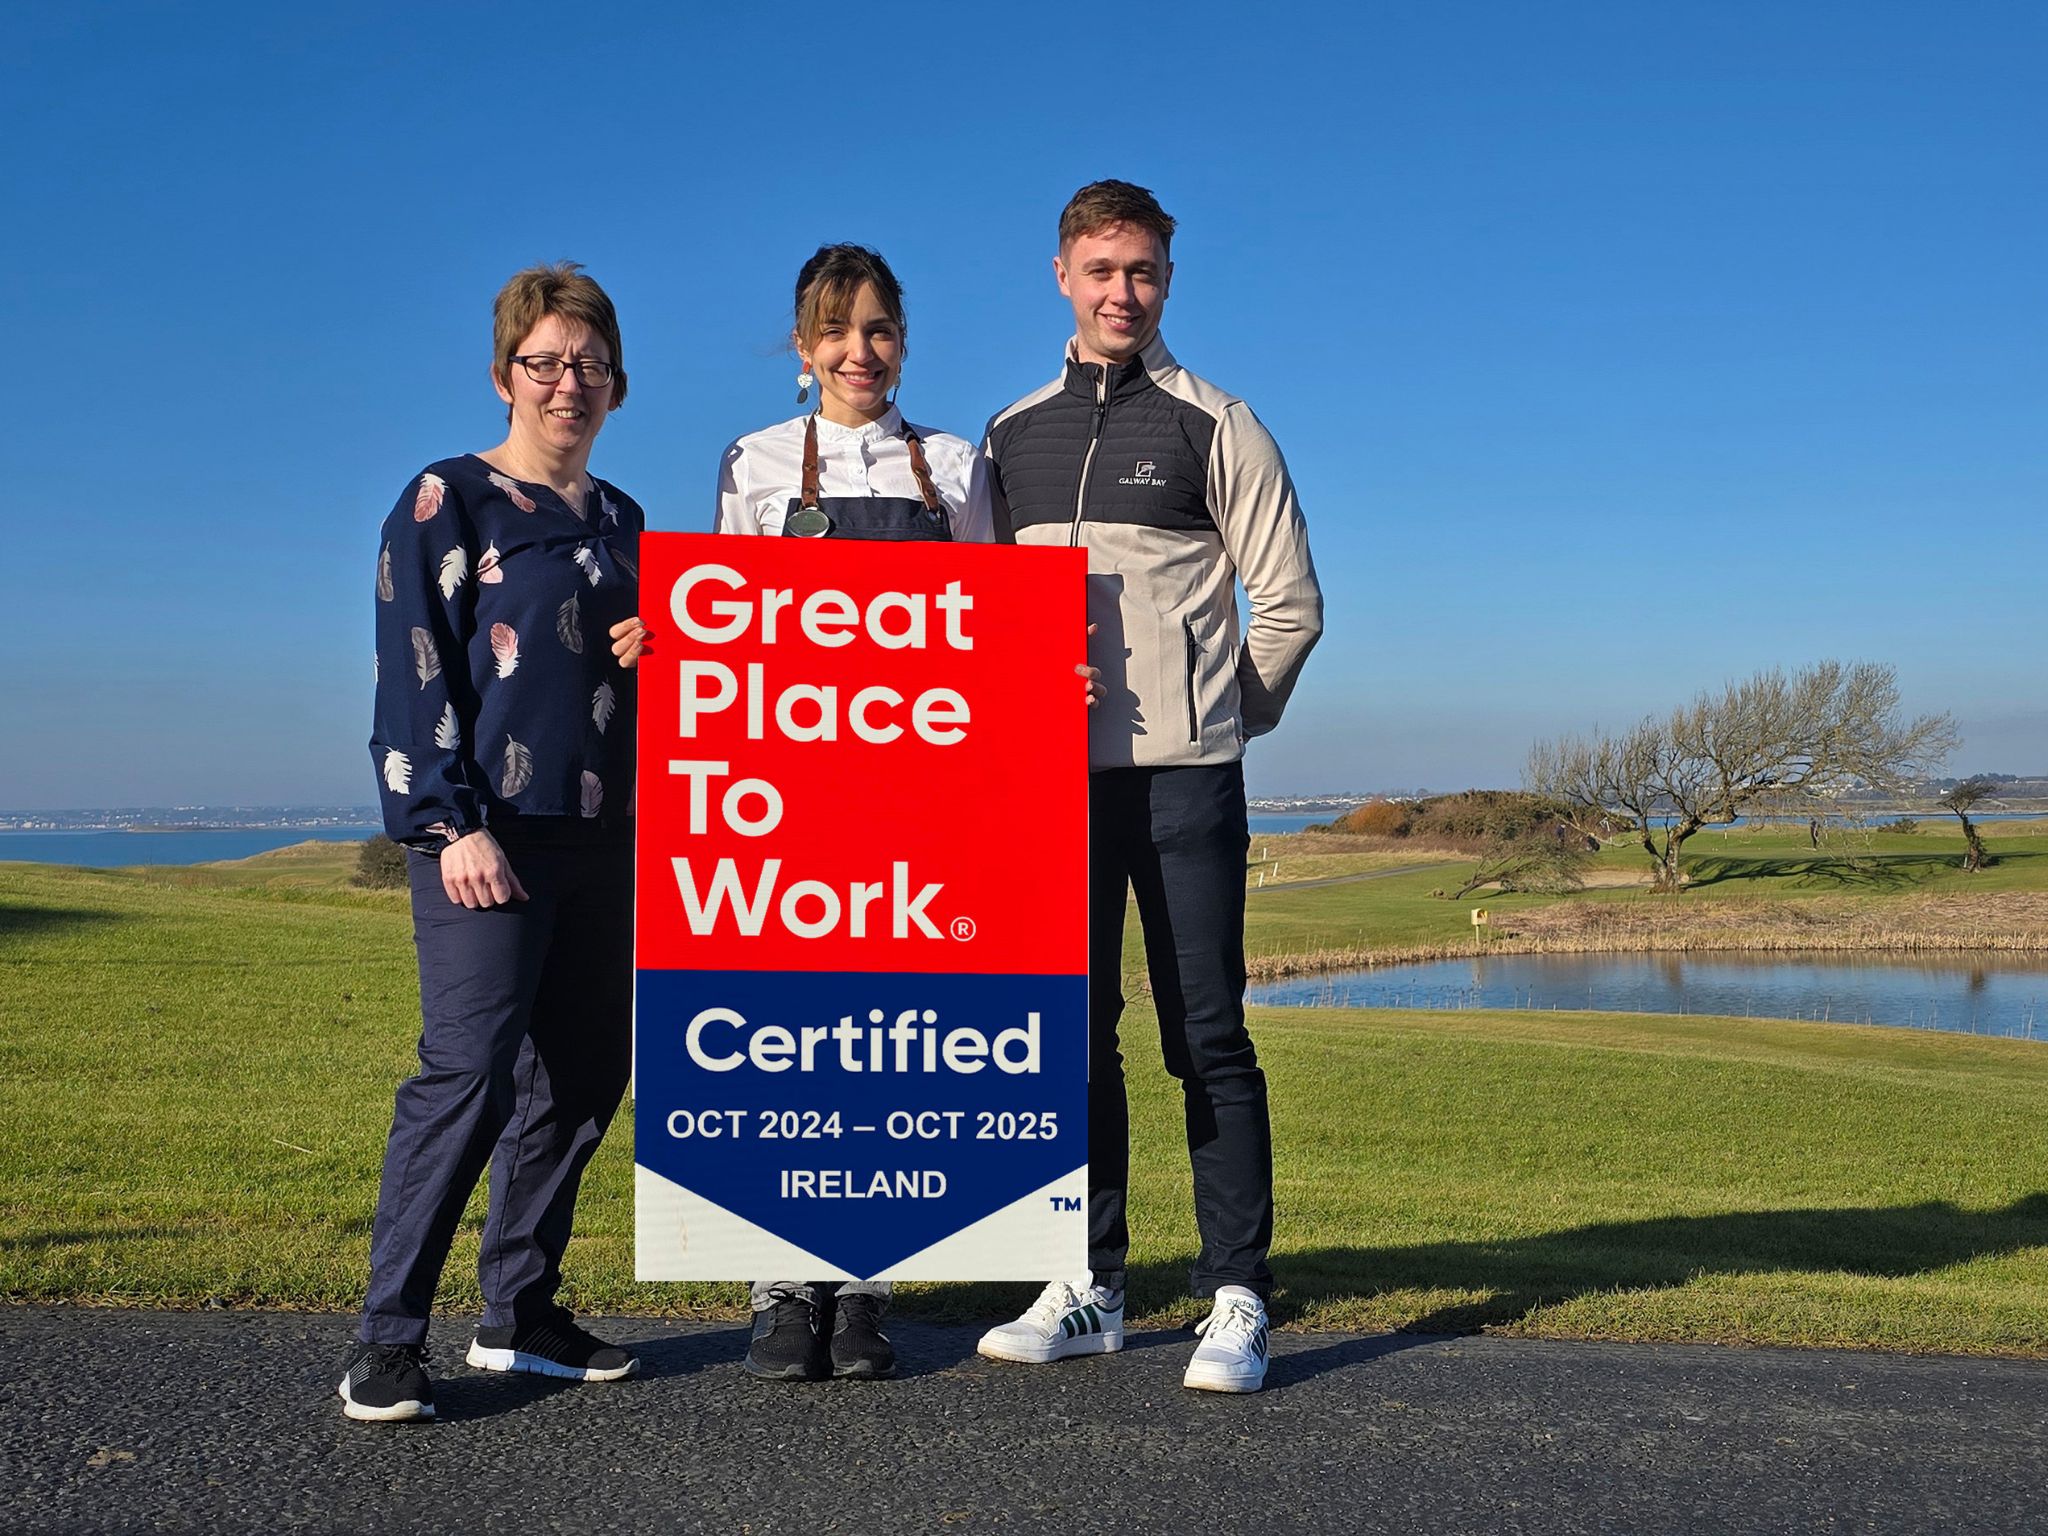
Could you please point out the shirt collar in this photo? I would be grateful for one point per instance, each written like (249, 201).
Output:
(888, 424)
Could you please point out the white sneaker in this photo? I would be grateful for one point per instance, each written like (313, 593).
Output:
(1063, 1321)
(1232, 1354)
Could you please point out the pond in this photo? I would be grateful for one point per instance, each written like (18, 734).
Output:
(1974, 994)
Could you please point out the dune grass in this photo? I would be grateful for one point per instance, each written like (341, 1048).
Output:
(195, 1084)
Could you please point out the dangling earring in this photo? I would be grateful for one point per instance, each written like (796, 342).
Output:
(804, 381)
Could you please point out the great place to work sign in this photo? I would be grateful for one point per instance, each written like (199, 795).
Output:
(861, 1019)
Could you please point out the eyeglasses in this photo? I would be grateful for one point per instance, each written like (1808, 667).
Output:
(546, 368)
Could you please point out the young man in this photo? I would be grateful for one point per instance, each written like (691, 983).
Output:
(1177, 492)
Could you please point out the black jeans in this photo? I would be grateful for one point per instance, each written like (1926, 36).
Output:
(1177, 837)
(525, 1048)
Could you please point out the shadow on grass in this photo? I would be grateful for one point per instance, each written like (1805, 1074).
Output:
(30, 922)
(1869, 872)
(1523, 1274)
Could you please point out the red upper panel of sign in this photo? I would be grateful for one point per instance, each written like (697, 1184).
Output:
(861, 756)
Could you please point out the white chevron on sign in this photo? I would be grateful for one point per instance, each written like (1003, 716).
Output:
(676, 1226)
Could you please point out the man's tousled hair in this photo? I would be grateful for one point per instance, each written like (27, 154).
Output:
(1104, 204)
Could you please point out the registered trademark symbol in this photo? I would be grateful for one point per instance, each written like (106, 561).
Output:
(963, 927)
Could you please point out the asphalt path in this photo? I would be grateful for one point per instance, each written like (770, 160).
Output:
(120, 1421)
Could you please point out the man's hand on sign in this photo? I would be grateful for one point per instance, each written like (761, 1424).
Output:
(630, 641)
(1096, 692)
(475, 873)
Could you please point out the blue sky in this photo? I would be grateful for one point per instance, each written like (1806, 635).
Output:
(1617, 350)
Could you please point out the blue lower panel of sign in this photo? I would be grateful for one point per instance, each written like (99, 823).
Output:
(870, 1125)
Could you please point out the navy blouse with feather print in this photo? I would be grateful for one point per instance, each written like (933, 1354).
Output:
(497, 692)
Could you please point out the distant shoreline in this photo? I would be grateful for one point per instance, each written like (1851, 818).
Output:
(161, 828)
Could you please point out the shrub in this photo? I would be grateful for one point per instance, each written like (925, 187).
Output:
(381, 865)
(1488, 815)
(1476, 820)
(1377, 818)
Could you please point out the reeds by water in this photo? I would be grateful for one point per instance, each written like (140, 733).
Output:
(2005, 921)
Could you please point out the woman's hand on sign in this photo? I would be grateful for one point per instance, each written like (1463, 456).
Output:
(476, 874)
(1096, 692)
(630, 641)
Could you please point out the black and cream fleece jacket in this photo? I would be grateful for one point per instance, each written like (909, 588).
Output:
(1177, 492)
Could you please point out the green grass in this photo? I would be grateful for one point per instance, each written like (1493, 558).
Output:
(196, 1071)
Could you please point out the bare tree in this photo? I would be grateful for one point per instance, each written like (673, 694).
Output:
(1962, 800)
(1771, 740)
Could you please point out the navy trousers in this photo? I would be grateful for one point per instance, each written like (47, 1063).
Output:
(1177, 838)
(525, 1051)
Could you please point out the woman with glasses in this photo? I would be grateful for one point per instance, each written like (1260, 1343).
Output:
(503, 744)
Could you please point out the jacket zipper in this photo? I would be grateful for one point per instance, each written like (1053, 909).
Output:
(1088, 462)
(1194, 660)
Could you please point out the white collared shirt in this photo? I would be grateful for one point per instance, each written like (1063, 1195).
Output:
(764, 470)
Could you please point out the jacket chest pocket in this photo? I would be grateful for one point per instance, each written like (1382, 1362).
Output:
(1161, 489)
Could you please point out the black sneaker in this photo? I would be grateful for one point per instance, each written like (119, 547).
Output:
(859, 1347)
(787, 1345)
(550, 1346)
(387, 1383)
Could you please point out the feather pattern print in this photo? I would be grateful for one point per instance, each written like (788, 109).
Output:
(397, 771)
(454, 567)
(505, 646)
(518, 769)
(593, 793)
(428, 501)
(426, 656)
(632, 571)
(448, 734)
(602, 703)
(386, 592)
(487, 564)
(513, 494)
(569, 624)
(586, 558)
(611, 513)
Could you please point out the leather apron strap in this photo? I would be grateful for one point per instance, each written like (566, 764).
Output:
(919, 469)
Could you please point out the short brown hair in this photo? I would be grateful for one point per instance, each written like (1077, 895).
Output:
(560, 289)
(1103, 204)
(832, 279)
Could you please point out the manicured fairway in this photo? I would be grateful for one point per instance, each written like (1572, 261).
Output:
(196, 1073)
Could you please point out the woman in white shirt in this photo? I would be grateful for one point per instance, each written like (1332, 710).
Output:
(853, 468)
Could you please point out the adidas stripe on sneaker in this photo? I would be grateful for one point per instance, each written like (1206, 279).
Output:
(1064, 1321)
